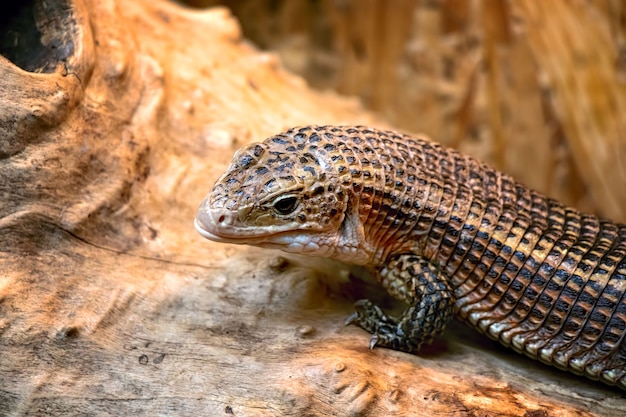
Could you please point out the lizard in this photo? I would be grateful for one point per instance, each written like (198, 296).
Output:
(441, 231)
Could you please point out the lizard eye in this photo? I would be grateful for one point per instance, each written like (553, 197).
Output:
(286, 205)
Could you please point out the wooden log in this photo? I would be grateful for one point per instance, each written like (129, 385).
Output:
(114, 125)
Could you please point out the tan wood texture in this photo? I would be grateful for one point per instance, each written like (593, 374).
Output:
(116, 119)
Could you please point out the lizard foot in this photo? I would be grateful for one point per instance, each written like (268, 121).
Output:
(384, 329)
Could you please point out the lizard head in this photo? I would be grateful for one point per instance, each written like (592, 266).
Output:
(282, 193)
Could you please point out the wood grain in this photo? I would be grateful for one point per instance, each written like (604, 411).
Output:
(111, 304)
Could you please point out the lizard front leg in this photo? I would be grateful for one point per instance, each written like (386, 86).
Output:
(420, 284)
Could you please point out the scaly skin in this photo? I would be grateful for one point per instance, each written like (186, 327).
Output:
(442, 232)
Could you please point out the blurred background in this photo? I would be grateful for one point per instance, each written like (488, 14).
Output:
(536, 88)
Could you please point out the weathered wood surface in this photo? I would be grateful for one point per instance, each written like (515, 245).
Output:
(111, 304)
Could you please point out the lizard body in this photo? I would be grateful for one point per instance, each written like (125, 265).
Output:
(440, 231)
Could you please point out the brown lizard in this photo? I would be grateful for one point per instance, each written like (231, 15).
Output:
(441, 231)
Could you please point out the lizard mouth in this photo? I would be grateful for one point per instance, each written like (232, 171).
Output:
(216, 225)
(220, 226)
(202, 229)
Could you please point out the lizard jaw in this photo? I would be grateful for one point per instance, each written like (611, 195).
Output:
(217, 225)
(200, 228)
(287, 240)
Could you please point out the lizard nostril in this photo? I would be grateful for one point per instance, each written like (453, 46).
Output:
(221, 219)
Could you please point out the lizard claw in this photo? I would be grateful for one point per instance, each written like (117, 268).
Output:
(352, 319)
(362, 303)
(373, 341)
(362, 311)
(368, 316)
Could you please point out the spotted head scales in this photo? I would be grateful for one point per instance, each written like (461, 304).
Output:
(286, 193)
